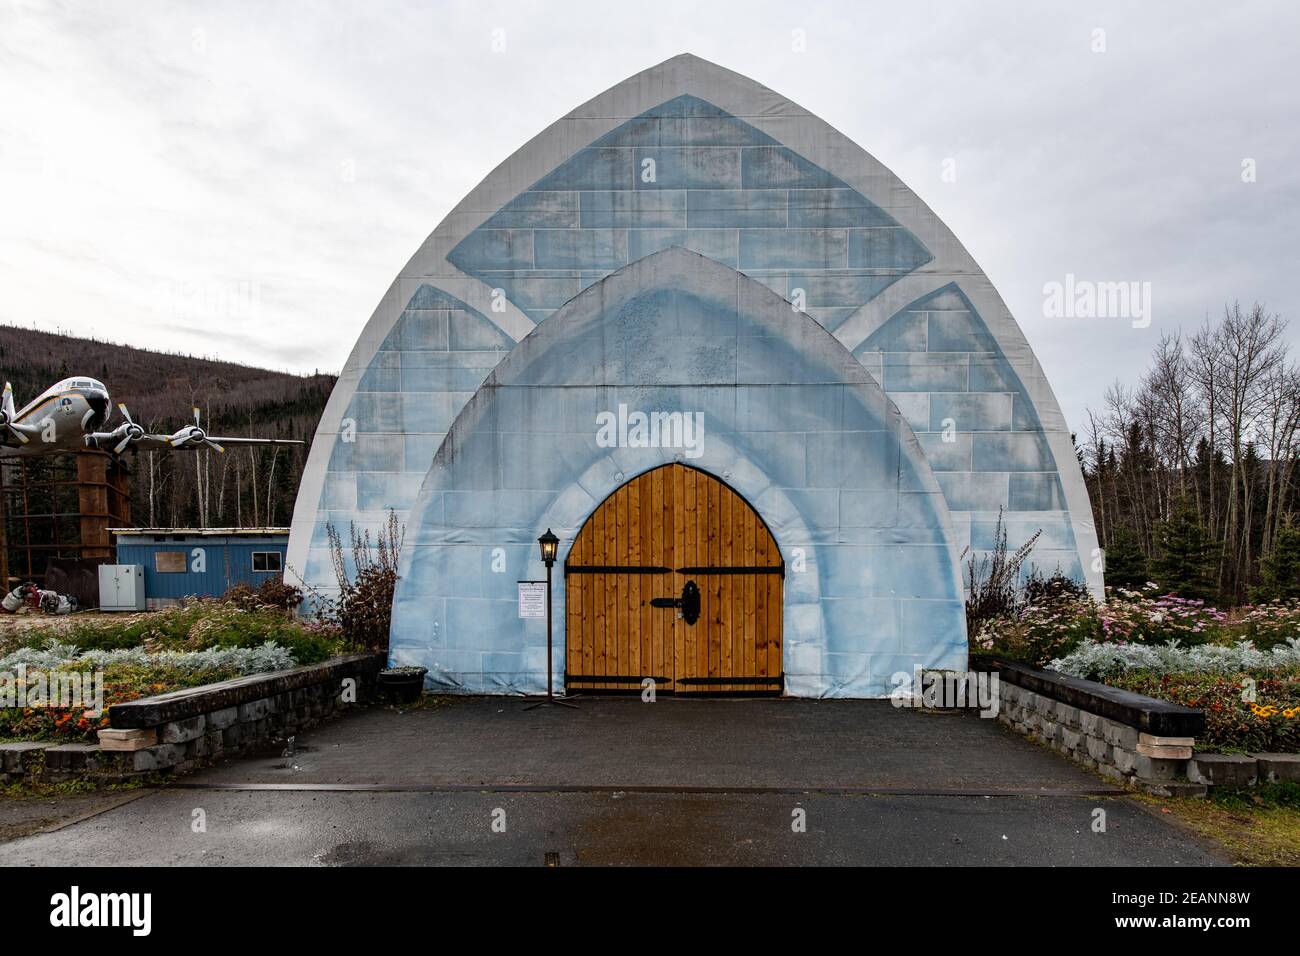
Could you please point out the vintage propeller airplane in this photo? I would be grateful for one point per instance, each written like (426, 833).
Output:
(67, 415)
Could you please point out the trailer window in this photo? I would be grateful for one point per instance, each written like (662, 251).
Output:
(266, 561)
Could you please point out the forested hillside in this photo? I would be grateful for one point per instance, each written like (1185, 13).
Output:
(241, 488)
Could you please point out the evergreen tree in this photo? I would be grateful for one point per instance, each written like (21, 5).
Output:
(1183, 564)
(1126, 565)
(1280, 569)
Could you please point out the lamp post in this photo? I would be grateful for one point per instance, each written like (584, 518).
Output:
(550, 546)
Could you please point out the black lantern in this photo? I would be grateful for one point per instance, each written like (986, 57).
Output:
(549, 544)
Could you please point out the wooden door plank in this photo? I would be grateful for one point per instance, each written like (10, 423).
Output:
(715, 548)
(776, 642)
(760, 602)
(598, 589)
(649, 663)
(751, 620)
(589, 601)
(703, 625)
(687, 518)
(701, 628)
(573, 612)
(629, 648)
(738, 641)
(619, 650)
(659, 559)
(680, 558)
(726, 551)
(610, 590)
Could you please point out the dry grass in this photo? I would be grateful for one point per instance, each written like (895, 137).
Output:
(15, 628)
(1257, 827)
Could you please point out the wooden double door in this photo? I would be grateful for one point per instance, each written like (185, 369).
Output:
(674, 578)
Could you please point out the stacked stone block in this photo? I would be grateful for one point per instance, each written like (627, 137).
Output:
(1169, 766)
(182, 744)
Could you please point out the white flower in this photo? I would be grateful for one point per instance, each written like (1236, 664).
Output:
(1095, 660)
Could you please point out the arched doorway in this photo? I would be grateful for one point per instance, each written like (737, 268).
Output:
(674, 577)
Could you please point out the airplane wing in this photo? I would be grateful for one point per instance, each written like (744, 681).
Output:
(191, 436)
(168, 442)
(256, 441)
(184, 442)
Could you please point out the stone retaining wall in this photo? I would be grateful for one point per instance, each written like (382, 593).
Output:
(1134, 740)
(1117, 750)
(179, 731)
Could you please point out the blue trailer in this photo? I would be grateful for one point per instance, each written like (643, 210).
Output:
(200, 562)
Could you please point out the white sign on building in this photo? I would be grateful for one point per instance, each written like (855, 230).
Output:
(532, 599)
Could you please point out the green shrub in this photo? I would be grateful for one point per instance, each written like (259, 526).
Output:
(1284, 794)
(1279, 570)
(1185, 559)
(197, 625)
(1039, 590)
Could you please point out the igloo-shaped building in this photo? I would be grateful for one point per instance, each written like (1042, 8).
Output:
(763, 396)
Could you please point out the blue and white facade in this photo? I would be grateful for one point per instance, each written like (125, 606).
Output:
(691, 241)
(182, 563)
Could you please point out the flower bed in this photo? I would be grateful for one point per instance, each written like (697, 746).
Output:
(1269, 724)
(1146, 617)
(1241, 669)
(1267, 625)
(193, 626)
(1045, 631)
(201, 642)
(1039, 632)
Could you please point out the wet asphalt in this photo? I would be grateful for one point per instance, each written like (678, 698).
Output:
(622, 783)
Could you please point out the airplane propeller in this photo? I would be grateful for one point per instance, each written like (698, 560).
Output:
(8, 413)
(193, 435)
(130, 431)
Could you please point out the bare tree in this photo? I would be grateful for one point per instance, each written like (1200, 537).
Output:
(1277, 430)
(1206, 354)
(1251, 354)
(1215, 418)
(1174, 408)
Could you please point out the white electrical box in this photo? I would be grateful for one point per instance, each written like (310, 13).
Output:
(121, 587)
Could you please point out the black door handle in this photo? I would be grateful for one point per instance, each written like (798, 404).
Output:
(688, 603)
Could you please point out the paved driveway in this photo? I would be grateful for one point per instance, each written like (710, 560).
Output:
(623, 782)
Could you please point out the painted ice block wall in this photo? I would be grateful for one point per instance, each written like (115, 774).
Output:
(790, 420)
(690, 155)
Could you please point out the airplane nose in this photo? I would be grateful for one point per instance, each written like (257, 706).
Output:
(98, 402)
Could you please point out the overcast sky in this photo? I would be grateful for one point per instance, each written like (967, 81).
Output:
(244, 180)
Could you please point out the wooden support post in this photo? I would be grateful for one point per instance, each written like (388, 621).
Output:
(4, 535)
